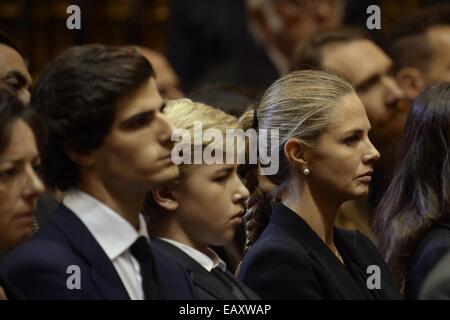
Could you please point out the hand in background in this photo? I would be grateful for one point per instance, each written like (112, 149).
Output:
(2, 294)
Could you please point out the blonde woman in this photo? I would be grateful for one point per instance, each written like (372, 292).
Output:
(203, 207)
(326, 158)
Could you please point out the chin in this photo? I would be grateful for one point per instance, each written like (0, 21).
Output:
(20, 237)
(360, 193)
(166, 175)
(355, 193)
(229, 236)
(172, 172)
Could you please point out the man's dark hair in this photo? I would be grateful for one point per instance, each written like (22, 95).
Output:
(310, 54)
(11, 110)
(6, 40)
(409, 44)
(77, 96)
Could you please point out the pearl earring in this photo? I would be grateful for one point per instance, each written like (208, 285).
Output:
(306, 172)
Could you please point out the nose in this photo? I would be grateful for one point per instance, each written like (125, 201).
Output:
(33, 185)
(24, 96)
(174, 93)
(371, 155)
(166, 129)
(393, 93)
(241, 193)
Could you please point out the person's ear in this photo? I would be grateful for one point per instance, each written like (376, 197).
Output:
(411, 81)
(165, 198)
(295, 152)
(82, 158)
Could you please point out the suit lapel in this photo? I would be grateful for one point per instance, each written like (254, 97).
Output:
(204, 280)
(103, 273)
(338, 274)
(200, 276)
(298, 229)
(248, 294)
(357, 265)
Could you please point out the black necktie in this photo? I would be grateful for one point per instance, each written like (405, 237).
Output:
(143, 253)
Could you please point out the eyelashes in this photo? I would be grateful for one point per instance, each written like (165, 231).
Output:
(225, 176)
(18, 167)
(139, 121)
(351, 140)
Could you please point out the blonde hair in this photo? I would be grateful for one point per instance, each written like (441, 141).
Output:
(300, 105)
(183, 113)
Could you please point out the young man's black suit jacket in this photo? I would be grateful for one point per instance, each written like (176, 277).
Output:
(38, 269)
(289, 261)
(207, 284)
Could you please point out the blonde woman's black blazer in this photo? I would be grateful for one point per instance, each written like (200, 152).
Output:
(289, 261)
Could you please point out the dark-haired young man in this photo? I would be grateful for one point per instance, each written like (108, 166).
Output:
(108, 146)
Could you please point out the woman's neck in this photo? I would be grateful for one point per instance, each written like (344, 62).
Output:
(318, 209)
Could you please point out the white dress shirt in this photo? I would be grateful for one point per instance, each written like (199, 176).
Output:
(114, 234)
(208, 262)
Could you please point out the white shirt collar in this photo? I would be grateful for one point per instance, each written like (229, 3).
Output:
(209, 262)
(114, 234)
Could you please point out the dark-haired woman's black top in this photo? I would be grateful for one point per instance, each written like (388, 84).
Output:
(428, 252)
(289, 261)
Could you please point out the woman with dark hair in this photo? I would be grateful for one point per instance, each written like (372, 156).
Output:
(20, 185)
(413, 218)
(326, 158)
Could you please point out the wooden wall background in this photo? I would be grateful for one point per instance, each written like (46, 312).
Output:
(39, 26)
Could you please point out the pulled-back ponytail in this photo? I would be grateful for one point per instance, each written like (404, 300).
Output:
(300, 105)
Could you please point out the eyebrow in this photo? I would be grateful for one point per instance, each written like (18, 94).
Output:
(16, 161)
(141, 115)
(136, 117)
(366, 84)
(355, 130)
(225, 170)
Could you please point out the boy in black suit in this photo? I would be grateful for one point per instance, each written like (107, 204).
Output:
(108, 145)
(202, 208)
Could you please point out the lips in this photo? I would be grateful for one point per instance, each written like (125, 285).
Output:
(166, 158)
(366, 177)
(25, 216)
(238, 216)
(367, 174)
